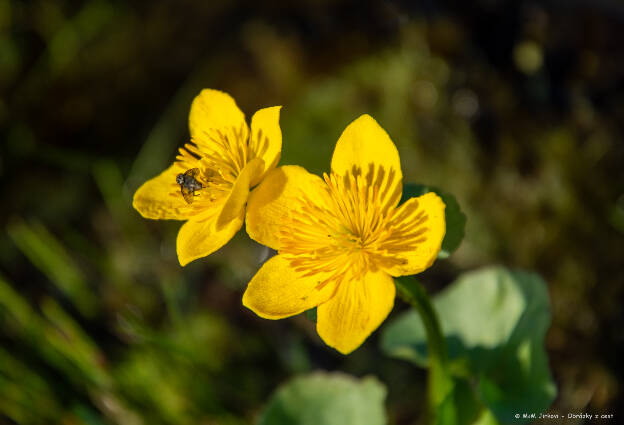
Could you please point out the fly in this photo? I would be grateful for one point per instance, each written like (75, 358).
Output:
(189, 184)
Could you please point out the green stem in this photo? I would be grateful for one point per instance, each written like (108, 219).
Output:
(440, 383)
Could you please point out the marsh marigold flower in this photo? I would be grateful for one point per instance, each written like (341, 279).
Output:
(226, 159)
(342, 238)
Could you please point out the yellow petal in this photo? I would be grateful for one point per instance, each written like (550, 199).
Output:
(265, 139)
(213, 228)
(214, 109)
(160, 197)
(237, 198)
(199, 238)
(278, 291)
(270, 202)
(357, 309)
(419, 223)
(362, 144)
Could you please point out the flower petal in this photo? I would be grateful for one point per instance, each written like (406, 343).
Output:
(362, 144)
(237, 198)
(280, 191)
(199, 238)
(357, 309)
(278, 291)
(265, 139)
(213, 228)
(214, 109)
(418, 222)
(160, 198)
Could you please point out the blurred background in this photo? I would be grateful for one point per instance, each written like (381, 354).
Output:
(517, 108)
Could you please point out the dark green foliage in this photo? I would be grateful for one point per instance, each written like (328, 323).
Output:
(98, 322)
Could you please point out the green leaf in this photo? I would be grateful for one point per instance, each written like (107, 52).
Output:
(494, 321)
(327, 399)
(455, 218)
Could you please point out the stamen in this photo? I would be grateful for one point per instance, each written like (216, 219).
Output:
(359, 228)
(220, 155)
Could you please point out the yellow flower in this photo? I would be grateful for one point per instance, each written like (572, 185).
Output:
(341, 239)
(229, 160)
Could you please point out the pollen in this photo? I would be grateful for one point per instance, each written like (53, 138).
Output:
(353, 227)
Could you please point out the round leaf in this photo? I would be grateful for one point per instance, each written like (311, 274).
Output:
(327, 399)
(494, 321)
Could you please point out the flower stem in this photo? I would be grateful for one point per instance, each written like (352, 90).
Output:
(440, 384)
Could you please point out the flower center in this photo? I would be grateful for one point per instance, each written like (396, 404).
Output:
(220, 155)
(355, 226)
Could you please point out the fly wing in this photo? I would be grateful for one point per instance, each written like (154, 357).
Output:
(187, 194)
(193, 172)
